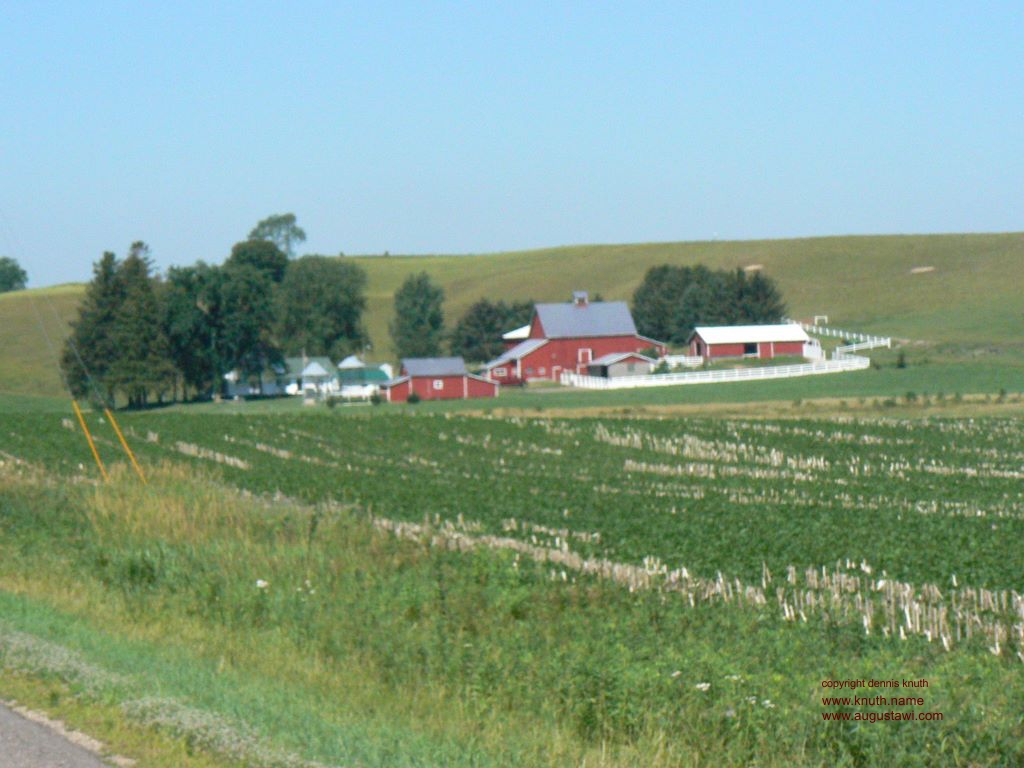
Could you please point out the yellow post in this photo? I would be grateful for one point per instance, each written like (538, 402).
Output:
(88, 436)
(124, 444)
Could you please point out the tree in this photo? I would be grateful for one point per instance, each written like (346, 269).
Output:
(117, 344)
(418, 326)
(655, 299)
(245, 339)
(671, 300)
(191, 319)
(320, 307)
(281, 230)
(91, 348)
(142, 365)
(761, 300)
(12, 276)
(259, 254)
(477, 335)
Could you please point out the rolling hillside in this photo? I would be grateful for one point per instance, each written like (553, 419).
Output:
(961, 290)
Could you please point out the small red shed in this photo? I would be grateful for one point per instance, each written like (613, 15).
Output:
(437, 378)
(763, 341)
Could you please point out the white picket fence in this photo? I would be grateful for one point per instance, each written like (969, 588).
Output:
(846, 363)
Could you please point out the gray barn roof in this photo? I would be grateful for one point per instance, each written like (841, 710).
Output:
(517, 352)
(603, 318)
(434, 366)
(613, 357)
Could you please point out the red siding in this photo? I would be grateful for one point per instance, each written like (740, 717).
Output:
(559, 355)
(398, 393)
(789, 348)
(478, 388)
(452, 388)
(765, 349)
(725, 350)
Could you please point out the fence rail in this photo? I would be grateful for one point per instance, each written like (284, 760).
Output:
(858, 338)
(688, 361)
(845, 363)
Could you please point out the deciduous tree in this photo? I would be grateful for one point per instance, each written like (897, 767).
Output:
(320, 307)
(247, 319)
(282, 231)
(262, 255)
(12, 276)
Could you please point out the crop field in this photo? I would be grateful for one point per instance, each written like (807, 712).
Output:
(902, 528)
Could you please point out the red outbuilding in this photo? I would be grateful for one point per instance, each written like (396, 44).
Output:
(568, 337)
(763, 341)
(437, 378)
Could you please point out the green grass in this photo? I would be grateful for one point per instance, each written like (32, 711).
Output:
(970, 301)
(33, 325)
(365, 649)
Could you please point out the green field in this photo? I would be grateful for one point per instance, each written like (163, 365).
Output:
(966, 308)
(621, 592)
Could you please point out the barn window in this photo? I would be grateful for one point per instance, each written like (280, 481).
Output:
(630, 367)
(438, 383)
(541, 370)
(750, 349)
(584, 355)
(529, 371)
(500, 372)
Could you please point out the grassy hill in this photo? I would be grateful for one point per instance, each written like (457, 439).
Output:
(969, 297)
(33, 325)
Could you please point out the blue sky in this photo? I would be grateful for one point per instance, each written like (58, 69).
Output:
(462, 127)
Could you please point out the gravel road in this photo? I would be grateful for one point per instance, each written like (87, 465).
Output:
(28, 744)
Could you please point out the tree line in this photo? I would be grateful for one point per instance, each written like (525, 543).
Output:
(668, 304)
(417, 328)
(672, 300)
(140, 336)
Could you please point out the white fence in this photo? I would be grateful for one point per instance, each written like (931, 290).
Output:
(867, 340)
(844, 351)
(687, 361)
(845, 363)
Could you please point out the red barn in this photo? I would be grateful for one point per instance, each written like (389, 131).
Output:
(764, 341)
(568, 337)
(437, 378)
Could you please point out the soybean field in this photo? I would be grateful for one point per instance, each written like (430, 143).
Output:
(901, 528)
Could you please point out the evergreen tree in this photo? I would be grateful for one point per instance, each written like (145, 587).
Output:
(418, 326)
(143, 364)
(672, 300)
(761, 301)
(320, 307)
(91, 348)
